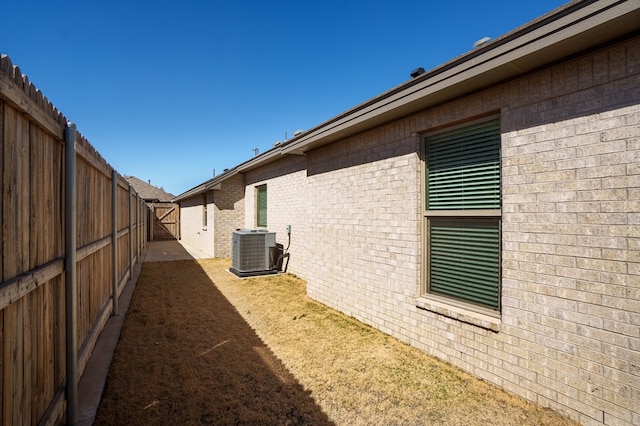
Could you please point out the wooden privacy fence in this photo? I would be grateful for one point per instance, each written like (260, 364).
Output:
(56, 292)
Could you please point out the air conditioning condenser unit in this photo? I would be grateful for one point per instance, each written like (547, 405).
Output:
(253, 252)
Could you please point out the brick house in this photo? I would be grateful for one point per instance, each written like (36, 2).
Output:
(486, 212)
(215, 205)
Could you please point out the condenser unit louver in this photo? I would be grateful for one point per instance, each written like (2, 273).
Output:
(252, 252)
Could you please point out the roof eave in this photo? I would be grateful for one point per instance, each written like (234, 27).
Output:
(206, 186)
(567, 31)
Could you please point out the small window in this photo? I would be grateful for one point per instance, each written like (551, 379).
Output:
(204, 210)
(261, 206)
(462, 215)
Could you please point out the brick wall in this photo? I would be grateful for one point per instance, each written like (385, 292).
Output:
(287, 204)
(225, 213)
(570, 235)
(365, 232)
(569, 334)
(191, 230)
(228, 213)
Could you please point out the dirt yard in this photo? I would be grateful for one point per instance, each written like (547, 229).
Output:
(200, 346)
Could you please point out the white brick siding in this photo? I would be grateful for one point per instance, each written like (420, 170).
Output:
(191, 229)
(225, 213)
(287, 204)
(228, 208)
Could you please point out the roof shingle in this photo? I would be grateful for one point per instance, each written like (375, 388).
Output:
(149, 192)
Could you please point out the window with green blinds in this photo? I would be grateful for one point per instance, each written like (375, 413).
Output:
(463, 168)
(465, 259)
(462, 175)
(261, 210)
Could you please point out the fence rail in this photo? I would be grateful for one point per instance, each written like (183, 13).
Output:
(33, 368)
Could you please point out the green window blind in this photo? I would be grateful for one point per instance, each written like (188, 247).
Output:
(262, 206)
(463, 168)
(465, 259)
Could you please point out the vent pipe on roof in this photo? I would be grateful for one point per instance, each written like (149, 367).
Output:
(418, 71)
(482, 41)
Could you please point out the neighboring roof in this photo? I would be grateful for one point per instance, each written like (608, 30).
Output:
(149, 192)
(576, 27)
(213, 183)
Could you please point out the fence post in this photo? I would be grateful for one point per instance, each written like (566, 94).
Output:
(152, 221)
(130, 234)
(138, 227)
(142, 230)
(114, 239)
(70, 275)
(146, 225)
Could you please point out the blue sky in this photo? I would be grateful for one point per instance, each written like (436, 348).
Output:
(170, 91)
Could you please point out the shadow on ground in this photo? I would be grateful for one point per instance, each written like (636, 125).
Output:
(218, 370)
(163, 251)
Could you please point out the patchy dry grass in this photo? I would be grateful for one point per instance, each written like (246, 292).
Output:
(202, 347)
